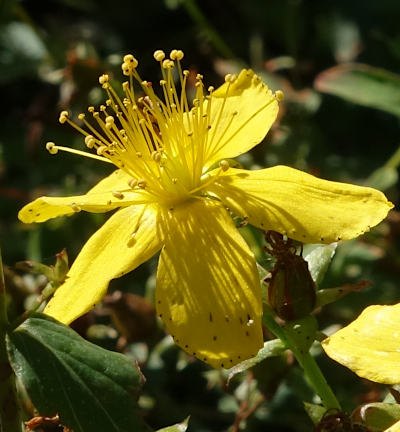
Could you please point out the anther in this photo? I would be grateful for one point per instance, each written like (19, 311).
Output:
(117, 194)
(91, 109)
(129, 59)
(110, 119)
(224, 165)
(168, 64)
(159, 55)
(51, 148)
(211, 89)
(176, 55)
(156, 156)
(103, 79)
(75, 208)
(100, 151)
(90, 141)
(279, 95)
(139, 155)
(132, 183)
(63, 117)
(185, 72)
(230, 78)
(141, 183)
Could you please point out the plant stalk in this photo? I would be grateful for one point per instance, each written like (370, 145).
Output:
(307, 362)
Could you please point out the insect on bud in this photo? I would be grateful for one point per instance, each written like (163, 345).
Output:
(291, 291)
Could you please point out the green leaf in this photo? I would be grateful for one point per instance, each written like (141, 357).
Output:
(318, 261)
(90, 388)
(271, 348)
(363, 85)
(315, 412)
(301, 333)
(178, 427)
(330, 295)
(377, 416)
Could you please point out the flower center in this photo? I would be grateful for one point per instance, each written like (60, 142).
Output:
(162, 143)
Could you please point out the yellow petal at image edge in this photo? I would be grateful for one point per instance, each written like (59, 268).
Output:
(108, 254)
(393, 428)
(247, 115)
(98, 200)
(208, 291)
(370, 345)
(300, 205)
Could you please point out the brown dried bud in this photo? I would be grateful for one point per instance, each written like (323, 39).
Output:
(291, 291)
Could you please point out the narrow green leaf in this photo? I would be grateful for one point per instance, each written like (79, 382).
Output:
(271, 348)
(377, 416)
(363, 85)
(92, 389)
(383, 178)
(318, 261)
(330, 295)
(178, 427)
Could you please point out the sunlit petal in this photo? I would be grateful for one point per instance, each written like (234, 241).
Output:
(103, 197)
(370, 345)
(208, 290)
(300, 205)
(241, 116)
(130, 237)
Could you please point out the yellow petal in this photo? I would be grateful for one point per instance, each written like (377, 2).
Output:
(300, 205)
(370, 345)
(129, 238)
(394, 428)
(208, 290)
(240, 117)
(101, 198)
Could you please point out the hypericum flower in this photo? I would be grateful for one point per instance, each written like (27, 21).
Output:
(172, 198)
(370, 345)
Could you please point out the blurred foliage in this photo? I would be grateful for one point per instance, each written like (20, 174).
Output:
(51, 53)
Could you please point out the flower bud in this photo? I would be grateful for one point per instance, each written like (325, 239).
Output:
(291, 291)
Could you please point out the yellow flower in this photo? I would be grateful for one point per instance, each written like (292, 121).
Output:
(370, 345)
(172, 198)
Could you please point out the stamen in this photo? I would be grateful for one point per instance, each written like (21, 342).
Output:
(279, 95)
(75, 208)
(53, 149)
(159, 55)
(224, 165)
(117, 194)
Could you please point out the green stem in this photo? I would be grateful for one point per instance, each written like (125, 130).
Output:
(307, 362)
(47, 292)
(200, 19)
(319, 383)
(394, 160)
(9, 406)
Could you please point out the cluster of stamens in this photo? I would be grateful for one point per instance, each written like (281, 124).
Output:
(161, 143)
